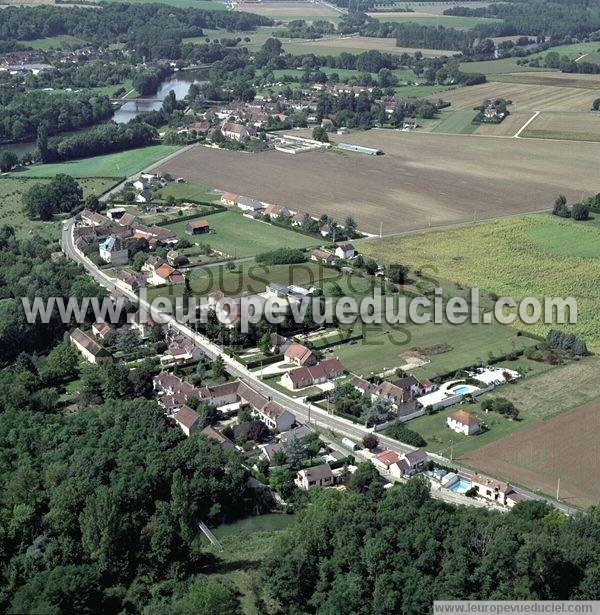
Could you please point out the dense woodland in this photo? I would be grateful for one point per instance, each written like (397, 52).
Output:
(370, 552)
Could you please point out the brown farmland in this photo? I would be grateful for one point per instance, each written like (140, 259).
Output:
(422, 179)
(566, 447)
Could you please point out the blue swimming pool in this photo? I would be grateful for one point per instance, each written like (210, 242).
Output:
(461, 486)
(462, 389)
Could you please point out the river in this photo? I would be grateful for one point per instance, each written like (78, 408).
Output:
(179, 82)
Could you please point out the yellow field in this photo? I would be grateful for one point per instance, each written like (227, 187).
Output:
(288, 10)
(524, 97)
(380, 44)
(558, 79)
(577, 126)
(508, 128)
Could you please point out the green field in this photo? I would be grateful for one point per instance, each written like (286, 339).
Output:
(498, 67)
(448, 21)
(457, 122)
(11, 208)
(184, 4)
(188, 190)
(538, 255)
(238, 236)
(249, 279)
(62, 41)
(121, 164)
(445, 347)
(572, 51)
(545, 392)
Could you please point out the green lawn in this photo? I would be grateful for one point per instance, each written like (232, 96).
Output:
(498, 67)
(537, 255)
(12, 189)
(457, 122)
(62, 41)
(572, 51)
(238, 236)
(121, 164)
(188, 190)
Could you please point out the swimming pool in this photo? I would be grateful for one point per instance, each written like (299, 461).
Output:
(461, 486)
(463, 389)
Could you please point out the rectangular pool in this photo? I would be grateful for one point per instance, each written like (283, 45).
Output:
(461, 486)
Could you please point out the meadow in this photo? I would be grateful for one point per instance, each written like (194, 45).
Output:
(422, 19)
(12, 190)
(185, 4)
(286, 11)
(61, 41)
(498, 67)
(527, 256)
(121, 164)
(239, 237)
(457, 122)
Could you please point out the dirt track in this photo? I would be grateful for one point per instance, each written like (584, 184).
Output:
(422, 179)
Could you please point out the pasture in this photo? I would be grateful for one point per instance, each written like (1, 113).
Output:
(12, 189)
(562, 125)
(62, 41)
(416, 184)
(121, 164)
(239, 237)
(457, 122)
(498, 67)
(564, 447)
(423, 19)
(428, 8)
(527, 256)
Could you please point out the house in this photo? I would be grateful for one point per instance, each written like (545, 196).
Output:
(144, 196)
(112, 251)
(216, 436)
(101, 329)
(237, 132)
(345, 251)
(300, 355)
(88, 346)
(384, 460)
(325, 230)
(410, 463)
(197, 227)
(115, 213)
(409, 123)
(491, 489)
(165, 274)
(401, 400)
(275, 416)
(279, 343)
(463, 422)
(513, 498)
(131, 281)
(173, 256)
(315, 374)
(299, 217)
(321, 256)
(300, 433)
(184, 350)
(317, 476)
(245, 203)
(152, 264)
(277, 211)
(91, 218)
(129, 220)
(228, 198)
(142, 323)
(270, 450)
(187, 419)
(200, 128)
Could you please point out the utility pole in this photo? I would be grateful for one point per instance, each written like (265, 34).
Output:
(558, 489)
(381, 229)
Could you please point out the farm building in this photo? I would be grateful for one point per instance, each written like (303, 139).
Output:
(360, 149)
(197, 227)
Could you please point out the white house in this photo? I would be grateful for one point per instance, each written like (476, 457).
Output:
(88, 346)
(463, 422)
(187, 419)
(112, 251)
(317, 476)
(345, 251)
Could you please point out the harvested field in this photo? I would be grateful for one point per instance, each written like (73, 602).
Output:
(585, 82)
(422, 179)
(575, 126)
(524, 97)
(565, 447)
(508, 127)
(288, 10)
(358, 44)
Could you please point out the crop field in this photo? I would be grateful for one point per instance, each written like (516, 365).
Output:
(528, 256)
(427, 8)
(508, 127)
(286, 11)
(238, 237)
(444, 347)
(525, 97)
(184, 4)
(457, 122)
(565, 447)
(358, 44)
(576, 126)
(121, 164)
(423, 19)
(414, 185)
(573, 80)
(13, 188)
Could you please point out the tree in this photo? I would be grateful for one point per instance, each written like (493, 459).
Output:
(258, 431)
(320, 134)
(42, 142)
(596, 104)
(208, 596)
(62, 363)
(218, 367)
(7, 161)
(370, 441)
(350, 226)
(560, 207)
(264, 343)
(296, 453)
(377, 412)
(61, 194)
(580, 211)
(364, 477)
